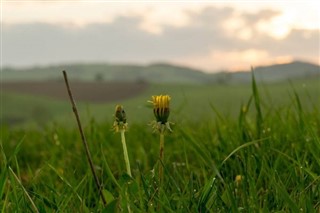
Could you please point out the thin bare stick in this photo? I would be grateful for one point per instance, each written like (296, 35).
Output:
(85, 144)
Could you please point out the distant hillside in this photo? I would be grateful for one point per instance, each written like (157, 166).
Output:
(105, 72)
(279, 72)
(161, 73)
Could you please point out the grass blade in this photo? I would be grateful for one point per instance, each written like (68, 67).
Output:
(257, 103)
(24, 190)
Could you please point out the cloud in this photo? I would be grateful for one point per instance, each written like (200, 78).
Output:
(211, 39)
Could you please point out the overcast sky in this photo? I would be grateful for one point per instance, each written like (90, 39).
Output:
(207, 35)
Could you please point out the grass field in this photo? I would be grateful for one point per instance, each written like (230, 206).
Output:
(190, 102)
(237, 148)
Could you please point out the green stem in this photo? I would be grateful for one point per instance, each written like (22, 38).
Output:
(161, 157)
(161, 154)
(125, 152)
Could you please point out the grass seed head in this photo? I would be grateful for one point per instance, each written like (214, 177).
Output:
(238, 179)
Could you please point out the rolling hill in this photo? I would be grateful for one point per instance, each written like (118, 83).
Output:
(161, 73)
(280, 72)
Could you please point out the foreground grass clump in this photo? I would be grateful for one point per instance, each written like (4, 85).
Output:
(266, 159)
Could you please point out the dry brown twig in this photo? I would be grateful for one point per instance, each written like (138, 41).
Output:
(85, 144)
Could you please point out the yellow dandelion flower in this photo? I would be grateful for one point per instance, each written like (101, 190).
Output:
(161, 108)
(161, 111)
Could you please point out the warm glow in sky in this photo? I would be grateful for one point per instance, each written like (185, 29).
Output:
(245, 30)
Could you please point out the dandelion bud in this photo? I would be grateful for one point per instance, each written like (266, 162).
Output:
(120, 119)
(120, 114)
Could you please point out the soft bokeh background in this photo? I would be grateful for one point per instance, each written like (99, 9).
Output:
(125, 52)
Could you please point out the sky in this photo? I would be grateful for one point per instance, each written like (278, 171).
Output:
(206, 35)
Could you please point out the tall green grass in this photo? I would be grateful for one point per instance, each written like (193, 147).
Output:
(274, 149)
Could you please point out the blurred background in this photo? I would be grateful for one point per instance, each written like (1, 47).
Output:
(200, 53)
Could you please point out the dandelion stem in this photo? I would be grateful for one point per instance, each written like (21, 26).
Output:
(161, 154)
(125, 152)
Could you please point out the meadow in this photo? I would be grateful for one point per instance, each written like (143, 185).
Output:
(234, 148)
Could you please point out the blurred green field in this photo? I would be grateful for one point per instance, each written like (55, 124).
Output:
(234, 148)
(189, 103)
